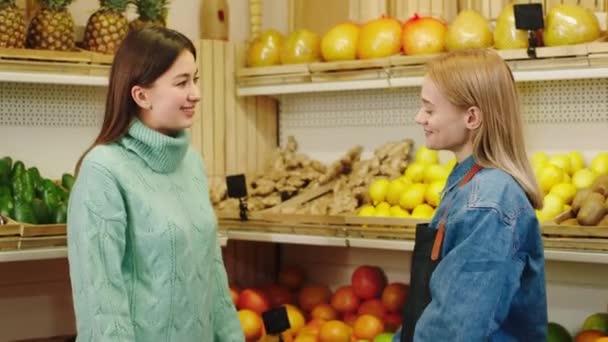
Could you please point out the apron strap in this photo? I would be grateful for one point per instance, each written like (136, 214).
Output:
(441, 229)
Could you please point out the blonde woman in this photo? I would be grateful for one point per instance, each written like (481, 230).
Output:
(478, 267)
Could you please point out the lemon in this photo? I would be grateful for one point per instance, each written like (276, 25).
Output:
(549, 176)
(565, 191)
(367, 210)
(377, 190)
(553, 205)
(541, 216)
(412, 196)
(599, 164)
(450, 164)
(583, 178)
(423, 211)
(577, 161)
(415, 172)
(427, 156)
(567, 207)
(434, 173)
(539, 159)
(383, 206)
(397, 211)
(394, 191)
(567, 178)
(405, 180)
(562, 161)
(432, 195)
(383, 211)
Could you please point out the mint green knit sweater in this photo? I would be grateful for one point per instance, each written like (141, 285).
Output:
(145, 263)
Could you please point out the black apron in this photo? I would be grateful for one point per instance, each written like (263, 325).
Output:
(425, 258)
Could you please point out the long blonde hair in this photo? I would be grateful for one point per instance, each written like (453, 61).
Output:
(479, 77)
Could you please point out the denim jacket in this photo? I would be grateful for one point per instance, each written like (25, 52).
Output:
(490, 282)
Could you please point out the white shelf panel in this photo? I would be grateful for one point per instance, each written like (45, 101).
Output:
(392, 245)
(402, 82)
(49, 78)
(288, 238)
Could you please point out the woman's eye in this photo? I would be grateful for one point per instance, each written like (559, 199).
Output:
(195, 80)
(182, 83)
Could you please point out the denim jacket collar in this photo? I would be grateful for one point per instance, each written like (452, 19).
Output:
(458, 173)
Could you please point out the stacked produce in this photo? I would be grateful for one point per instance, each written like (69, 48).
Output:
(366, 309)
(27, 197)
(350, 190)
(287, 174)
(414, 193)
(594, 329)
(421, 35)
(566, 182)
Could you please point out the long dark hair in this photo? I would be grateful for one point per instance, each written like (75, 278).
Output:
(143, 56)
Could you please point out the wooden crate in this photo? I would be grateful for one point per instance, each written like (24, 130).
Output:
(234, 135)
(574, 237)
(9, 227)
(78, 62)
(42, 242)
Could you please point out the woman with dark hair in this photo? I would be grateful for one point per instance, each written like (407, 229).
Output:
(145, 263)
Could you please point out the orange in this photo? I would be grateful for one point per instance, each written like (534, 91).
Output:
(367, 327)
(324, 311)
(335, 331)
(306, 338)
(588, 336)
(251, 323)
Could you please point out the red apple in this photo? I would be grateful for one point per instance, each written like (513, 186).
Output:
(379, 38)
(301, 46)
(345, 300)
(234, 293)
(372, 307)
(392, 321)
(350, 318)
(254, 300)
(292, 277)
(278, 295)
(340, 42)
(311, 296)
(368, 281)
(424, 35)
(394, 296)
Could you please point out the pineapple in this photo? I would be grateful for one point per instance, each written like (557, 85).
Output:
(12, 25)
(151, 12)
(52, 27)
(107, 27)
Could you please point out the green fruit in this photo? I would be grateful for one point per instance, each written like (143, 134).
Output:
(384, 337)
(597, 321)
(557, 333)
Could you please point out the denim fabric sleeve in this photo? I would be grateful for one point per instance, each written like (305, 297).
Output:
(474, 284)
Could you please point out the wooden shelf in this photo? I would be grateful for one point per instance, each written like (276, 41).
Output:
(53, 78)
(582, 61)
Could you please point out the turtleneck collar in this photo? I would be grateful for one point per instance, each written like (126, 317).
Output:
(160, 152)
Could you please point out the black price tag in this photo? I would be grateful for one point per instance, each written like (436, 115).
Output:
(529, 17)
(276, 320)
(237, 186)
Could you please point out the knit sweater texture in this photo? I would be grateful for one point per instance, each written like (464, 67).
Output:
(145, 263)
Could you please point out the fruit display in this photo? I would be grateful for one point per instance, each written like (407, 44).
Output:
(566, 183)
(286, 175)
(27, 197)
(506, 36)
(350, 189)
(424, 35)
(150, 13)
(379, 38)
(369, 308)
(570, 24)
(12, 25)
(301, 46)
(415, 193)
(107, 27)
(52, 27)
(469, 30)
(264, 50)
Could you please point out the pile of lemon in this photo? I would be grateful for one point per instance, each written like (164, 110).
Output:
(560, 176)
(415, 194)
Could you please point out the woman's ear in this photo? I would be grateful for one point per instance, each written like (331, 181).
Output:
(473, 118)
(141, 97)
